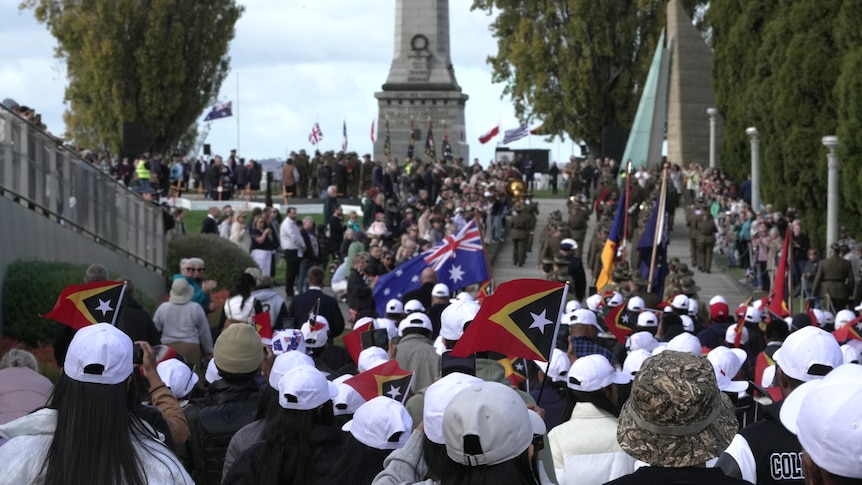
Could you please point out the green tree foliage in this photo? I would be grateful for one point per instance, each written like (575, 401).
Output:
(792, 69)
(576, 65)
(156, 61)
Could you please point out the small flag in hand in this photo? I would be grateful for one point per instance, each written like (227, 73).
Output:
(616, 324)
(353, 340)
(263, 325)
(82, 305)
(520, 319)
(386, 379)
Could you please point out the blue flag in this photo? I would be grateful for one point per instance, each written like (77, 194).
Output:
(458, 260)
(221, 110)
(429, 144)
(656, 224)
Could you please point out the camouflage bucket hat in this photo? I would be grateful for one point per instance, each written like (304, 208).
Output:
(676, 416)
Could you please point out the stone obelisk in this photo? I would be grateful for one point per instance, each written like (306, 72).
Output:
(421, 85)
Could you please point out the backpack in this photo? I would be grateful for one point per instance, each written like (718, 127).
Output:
(210, 438)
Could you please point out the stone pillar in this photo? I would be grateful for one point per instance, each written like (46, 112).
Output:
(421, 84)
(755, 167)
(831, 142)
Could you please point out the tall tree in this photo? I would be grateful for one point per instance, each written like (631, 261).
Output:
(155, 61)
(576, 65)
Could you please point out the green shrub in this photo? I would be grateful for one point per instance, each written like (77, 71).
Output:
(224, 260)
(31, 288)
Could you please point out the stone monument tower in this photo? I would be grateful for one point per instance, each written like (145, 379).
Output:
(421, 85)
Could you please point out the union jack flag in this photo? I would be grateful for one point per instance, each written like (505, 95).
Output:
(316, 136)
(459, 261)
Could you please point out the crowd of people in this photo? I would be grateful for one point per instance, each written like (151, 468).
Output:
(640, 386)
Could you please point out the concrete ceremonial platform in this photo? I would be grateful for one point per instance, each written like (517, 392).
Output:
(717, 282)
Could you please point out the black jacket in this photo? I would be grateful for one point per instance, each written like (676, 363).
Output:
(136, 322)
(209, 226)
(653, 475)
(423, 294)
(303, 304)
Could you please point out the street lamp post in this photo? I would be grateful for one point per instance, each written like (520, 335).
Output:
(755, 168)
(713, 113)
(831, 142)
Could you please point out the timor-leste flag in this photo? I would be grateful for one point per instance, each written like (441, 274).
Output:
(521, 319)
(82, 305)
(386, 379)
(353, 339)
(848, 332)
(617, 322)
(516, 370)
(263, 325)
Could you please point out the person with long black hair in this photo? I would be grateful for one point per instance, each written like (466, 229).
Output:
(584, 446)
(83, 435)
(378, 427)
(241, 306)
(300, 443)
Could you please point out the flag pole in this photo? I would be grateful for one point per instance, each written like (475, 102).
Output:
(554, 341)
(659, 227)
(237, 113)
(119, 302)
(625, 238)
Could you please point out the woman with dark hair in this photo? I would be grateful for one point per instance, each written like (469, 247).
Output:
(83, 436)
(584, 446)
(378, 427)
(300, 441)
(241, 307)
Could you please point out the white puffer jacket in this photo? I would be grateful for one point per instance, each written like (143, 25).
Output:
(23, 456)
(585, 448)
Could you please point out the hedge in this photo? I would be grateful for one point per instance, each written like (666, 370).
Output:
(31, 288)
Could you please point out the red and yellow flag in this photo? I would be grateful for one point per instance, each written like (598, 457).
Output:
(520, 319)
(614, 322)
(386, 379)
(353, 340)
(82, 305)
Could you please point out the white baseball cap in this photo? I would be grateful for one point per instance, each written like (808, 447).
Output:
(593, 373)
(287, 340)
(687, 323)
(680, 302)
(686, 342)
(613, 300)
(496, 416)
(455, 316)
(99, 354)
(211, 375)
(636, 304)
(726, 363)
(752, 314)
(594, 302)
(634, 360)
(414, 306)
(826, 417)
(808, 354)
(768, 377)
(440, 290)
(641, 341)
(437, 398)
(304, 388)
(415, 320)
(584, 317)
(348, 400)
(559, 366)
(692, 306)
(370, 358)
(843, 318)
(851, 354)
(568, 244)
(572, 305)
(730, 335)
(717, 299)
(828, 318)
(647, 319)
(317, 335)
(381, 423)
(394, 306)
(177, 376)
(390, 326)
(286, 361)
(818, 314)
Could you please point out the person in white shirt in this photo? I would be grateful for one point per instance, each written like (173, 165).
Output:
(291, 243)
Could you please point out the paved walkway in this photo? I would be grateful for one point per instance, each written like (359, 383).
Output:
(717, 282)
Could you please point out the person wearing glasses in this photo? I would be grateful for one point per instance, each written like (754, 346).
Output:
(192, 269)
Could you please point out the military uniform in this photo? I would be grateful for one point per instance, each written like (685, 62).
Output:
(520, 226)
(705, 227)
(578, 222)
(834, 278)
(531, 208)
(302, 166)
(691, 222)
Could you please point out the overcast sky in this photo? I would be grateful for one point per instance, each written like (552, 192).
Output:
(294, 63)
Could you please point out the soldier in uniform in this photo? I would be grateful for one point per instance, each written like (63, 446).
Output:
(547, 268)
(574, 268)
(532, 208)
(578, 221)
(706, 230)
(551, 247)
(561, 269)
(691, 214)
(638, 287)
(834, 279)
(520, 227)
(302, 166)
(594, 254)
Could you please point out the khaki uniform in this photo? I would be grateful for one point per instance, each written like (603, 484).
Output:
(520, 230)
(705, 226)
(834, 278)
(691, 222)
(533, 210)
(578, 223)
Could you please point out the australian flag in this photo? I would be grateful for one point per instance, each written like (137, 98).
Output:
(459, 261)
(221, 110)
(656, 225)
